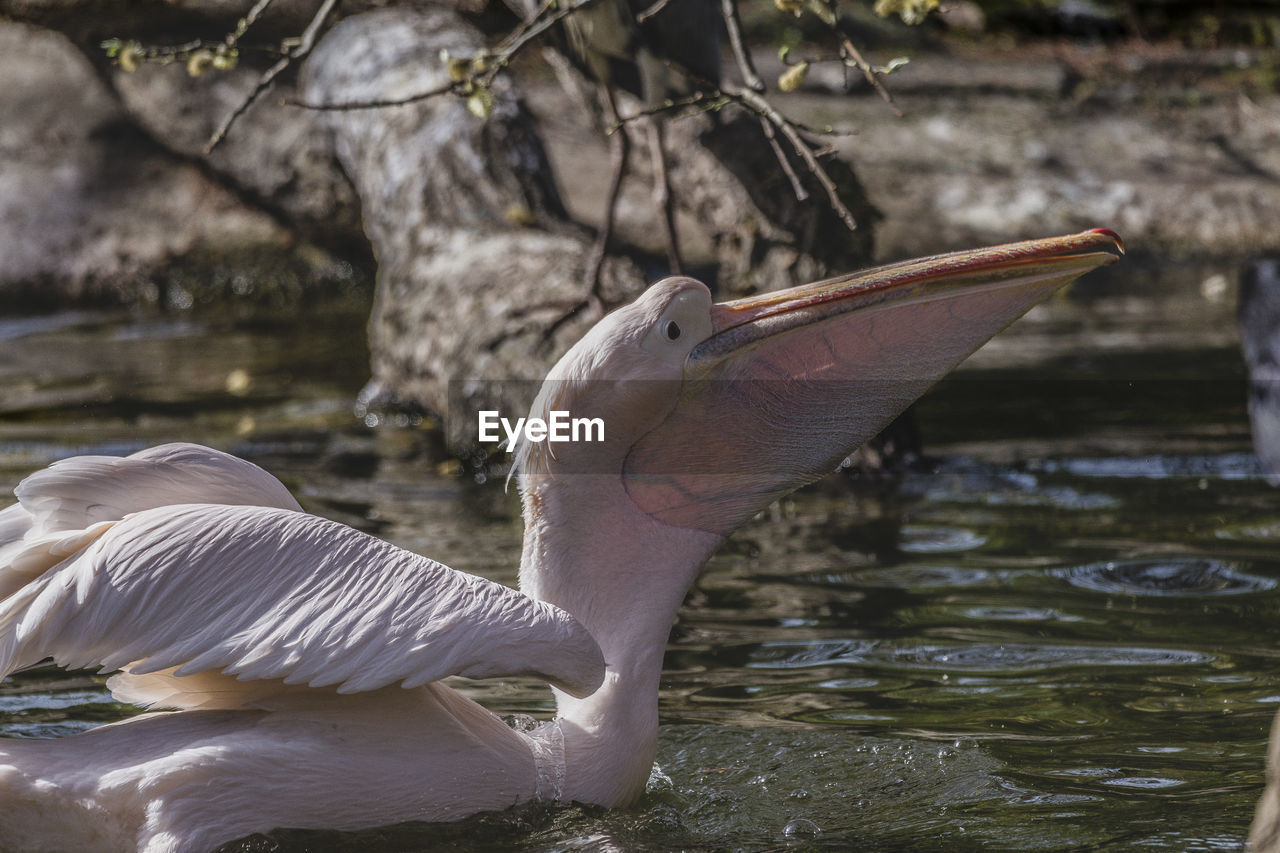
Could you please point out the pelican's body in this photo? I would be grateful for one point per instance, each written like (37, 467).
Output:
(304, 657)
(189, 781)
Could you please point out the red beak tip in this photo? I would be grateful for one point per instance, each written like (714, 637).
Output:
(1113, 236)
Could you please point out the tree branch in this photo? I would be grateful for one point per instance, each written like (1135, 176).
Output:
(827, 15)
(248, 21)
(756, 102)
(648, 13)
(702, 101)
(305, 42)
(483, 71)
(732, 24)
(801, 194)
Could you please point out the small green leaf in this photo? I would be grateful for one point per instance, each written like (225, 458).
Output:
(892, 65)
(226, 58)
(480, 103)
(129, 57)
(199, 62)
(793, 77)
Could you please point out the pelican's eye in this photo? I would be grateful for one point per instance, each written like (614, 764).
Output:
(683, 323)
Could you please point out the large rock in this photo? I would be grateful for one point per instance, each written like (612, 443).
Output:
(89, 205)
(478, 265)
(478, 262)
(1168, 146)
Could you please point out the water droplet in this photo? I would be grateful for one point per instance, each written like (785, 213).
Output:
(801, 828)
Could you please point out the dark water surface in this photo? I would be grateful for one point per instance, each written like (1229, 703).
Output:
(1059, 632)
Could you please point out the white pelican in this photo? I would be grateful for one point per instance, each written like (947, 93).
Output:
(303, 657)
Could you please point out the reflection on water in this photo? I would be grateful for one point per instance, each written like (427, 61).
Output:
(1181, 576)
(1060, 634)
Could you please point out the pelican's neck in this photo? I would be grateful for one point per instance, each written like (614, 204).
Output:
(623, 575)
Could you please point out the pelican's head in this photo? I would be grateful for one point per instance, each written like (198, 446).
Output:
(711, 411)
(627, 371)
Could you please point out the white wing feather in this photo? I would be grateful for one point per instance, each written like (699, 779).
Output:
(76, 493)
(265, 593)
(60, 509)
(101, 569)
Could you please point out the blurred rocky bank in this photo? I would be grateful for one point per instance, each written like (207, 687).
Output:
(105, 191)
(480, 234)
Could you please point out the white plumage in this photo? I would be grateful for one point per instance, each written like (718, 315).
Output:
(232, 606)
(306, 656)
(266, 593)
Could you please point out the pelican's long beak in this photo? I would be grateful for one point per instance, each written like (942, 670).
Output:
(790, 382)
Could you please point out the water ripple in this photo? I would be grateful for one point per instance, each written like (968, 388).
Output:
(968, 481)
(1143, 782)
(1167, 576)
(53, 700)
(985, 613)
(1259, 531)
(973, 657)
(921, 577)
(1225, 466)
(924, 539)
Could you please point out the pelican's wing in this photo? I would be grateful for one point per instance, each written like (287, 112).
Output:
(267, 593)
(74, 493)
(63, 507)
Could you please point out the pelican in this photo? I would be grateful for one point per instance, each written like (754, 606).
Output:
(299, 661)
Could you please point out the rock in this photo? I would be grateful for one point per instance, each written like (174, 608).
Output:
(277, 157)
(739, 221)
(89, 206)
(478, 264)
(978, 161)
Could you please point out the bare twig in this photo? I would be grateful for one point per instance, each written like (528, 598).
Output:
(828, 16)
(305, 42)
(703, 101)
(476, 79)
(772, 122)
(729, 11)
(247, 21)
(758, 104)
(869, 73)
(648, 13)
(523, 36)
(519, 32)
(375, 105)
(619, 151)
(163, 52)
(801, 194)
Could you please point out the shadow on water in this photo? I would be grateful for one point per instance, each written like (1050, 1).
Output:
(1059, 632)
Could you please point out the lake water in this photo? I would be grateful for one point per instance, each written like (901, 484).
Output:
(1057, 632)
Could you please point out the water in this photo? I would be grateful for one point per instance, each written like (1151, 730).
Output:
(1057, 633)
